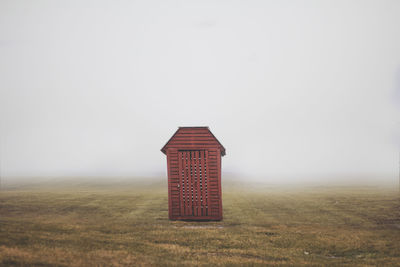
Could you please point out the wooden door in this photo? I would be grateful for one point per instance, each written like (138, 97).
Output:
(193, 183)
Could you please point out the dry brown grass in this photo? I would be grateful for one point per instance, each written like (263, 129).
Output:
(126, 225)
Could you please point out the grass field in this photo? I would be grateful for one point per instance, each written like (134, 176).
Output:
(93, 224)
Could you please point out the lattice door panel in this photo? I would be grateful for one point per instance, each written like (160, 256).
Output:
(193, 183)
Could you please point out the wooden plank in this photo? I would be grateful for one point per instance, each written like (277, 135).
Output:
(206, 175)
(202, 140)
(202, 131)
(188, 161)
(194, 137)
(198, 192)
(184, 183)
(191, 144)
(187, 177)
(219, 184)
(192, 172)
(193, 186)
(190, 183)
(203, 189)
(181, 201)
(169, 187)
(194, 183)
(193, 190)
(193, 141)
(187, 187)
(192, 147)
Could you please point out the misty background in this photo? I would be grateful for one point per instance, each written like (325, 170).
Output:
(294, 90)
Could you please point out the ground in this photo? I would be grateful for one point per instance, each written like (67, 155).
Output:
(126, 224)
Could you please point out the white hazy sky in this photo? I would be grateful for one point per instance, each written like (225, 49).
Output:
(290, 88)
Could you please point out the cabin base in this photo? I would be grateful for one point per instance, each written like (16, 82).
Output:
(191, 218)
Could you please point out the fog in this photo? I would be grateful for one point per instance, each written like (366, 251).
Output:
(294, 90)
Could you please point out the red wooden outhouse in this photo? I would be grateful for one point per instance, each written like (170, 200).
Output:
(194, 174)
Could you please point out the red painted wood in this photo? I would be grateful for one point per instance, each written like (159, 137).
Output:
(180, 172)
(207, 183)
(188, 185)
(198, 202)
(173, 201)
(203, 188)
(194, 175)
(193, 163)
(194, 136)
(169, 187)
(219, 185)
(192, 188)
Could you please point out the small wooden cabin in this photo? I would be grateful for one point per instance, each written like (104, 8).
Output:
(194, 174)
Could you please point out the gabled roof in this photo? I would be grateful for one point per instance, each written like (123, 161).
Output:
(186, 137)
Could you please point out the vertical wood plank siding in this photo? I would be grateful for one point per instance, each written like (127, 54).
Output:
(194, 175)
